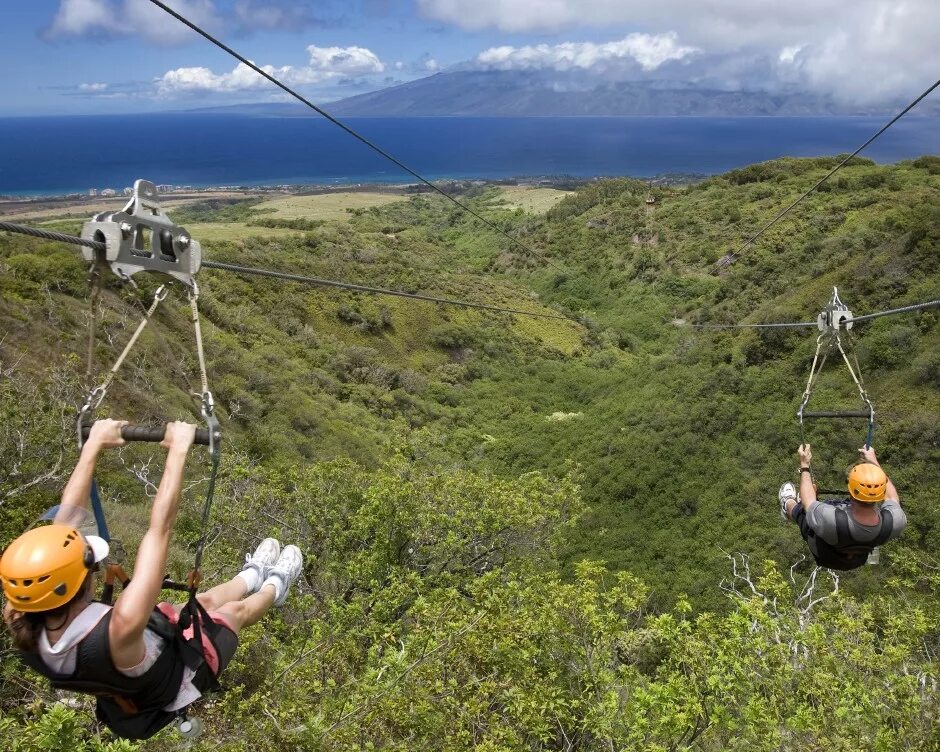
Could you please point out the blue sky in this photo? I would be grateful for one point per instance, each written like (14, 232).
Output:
(102, 56)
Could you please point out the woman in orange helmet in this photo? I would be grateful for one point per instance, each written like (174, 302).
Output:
(131, 655)
(842, 533)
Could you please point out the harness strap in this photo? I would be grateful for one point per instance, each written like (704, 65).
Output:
(887, 527)
(194, 615)
(97, 395)
(813, 374)
(861, 387)
(94, 280)
(98, 509)
(844, 537)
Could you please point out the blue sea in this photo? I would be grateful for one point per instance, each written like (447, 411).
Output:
(56, 155)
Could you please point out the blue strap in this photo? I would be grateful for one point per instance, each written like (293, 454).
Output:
(871, 429)
(98, 510)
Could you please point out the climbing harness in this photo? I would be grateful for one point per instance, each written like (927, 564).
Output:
(834, 322)
(142, 238)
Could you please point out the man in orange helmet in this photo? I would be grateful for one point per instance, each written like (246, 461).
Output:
(842, 533)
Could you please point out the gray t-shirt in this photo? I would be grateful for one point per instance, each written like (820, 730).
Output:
(822, 519)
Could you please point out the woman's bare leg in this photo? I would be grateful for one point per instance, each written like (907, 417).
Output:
(244, 613)
(233, 590)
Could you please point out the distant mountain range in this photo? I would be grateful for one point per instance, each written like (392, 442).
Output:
(474, 93)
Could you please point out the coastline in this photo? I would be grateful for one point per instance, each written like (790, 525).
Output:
(36, 204)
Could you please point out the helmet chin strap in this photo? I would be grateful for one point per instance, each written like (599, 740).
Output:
(68, 615)
(87, 597)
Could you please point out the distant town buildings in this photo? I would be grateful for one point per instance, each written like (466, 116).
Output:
(92, 191)
(108, 192)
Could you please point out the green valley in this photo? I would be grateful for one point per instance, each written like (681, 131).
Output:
(521, 533)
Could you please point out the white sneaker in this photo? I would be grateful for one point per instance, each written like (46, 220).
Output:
(284, 573)
(787, 493)
(258, 565)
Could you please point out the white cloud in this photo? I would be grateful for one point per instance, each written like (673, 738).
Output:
(431, 65)
(859, 51)
(347, 61)
(92, 88)
(788, 55)
(650, 51)
(325, 64)
(77, 18)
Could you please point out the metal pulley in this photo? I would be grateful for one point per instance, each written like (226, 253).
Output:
(141, 237)
(835, 316)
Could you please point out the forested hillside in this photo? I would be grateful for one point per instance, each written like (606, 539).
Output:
(523, 533)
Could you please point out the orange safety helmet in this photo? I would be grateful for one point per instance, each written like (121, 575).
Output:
(867, 483)
(45, 567)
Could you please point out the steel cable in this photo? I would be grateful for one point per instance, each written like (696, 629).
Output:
(798, 324)
(787, 325)
(50, 235)
(319, 281)
(892, 311)
(733, 255)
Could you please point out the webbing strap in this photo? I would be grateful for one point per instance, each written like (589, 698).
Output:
(861, 387)
(200, 353)
(208, 413)
(887, 527)
(843, 538)
(193, 607)
(97, 395)
(158, 297)
(98, 510)
(813, 373)
(204, 524)
(93, 297)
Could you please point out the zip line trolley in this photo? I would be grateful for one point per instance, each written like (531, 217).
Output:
(142, 238)
(835, 324)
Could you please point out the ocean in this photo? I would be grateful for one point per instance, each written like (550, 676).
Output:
(57, 155)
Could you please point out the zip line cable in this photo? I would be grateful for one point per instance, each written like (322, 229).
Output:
(321, 282)
(733, 255)
(317, 281)
(903, 309)
(798, 324)
(50, 235)
(375, 147)
(794, 325)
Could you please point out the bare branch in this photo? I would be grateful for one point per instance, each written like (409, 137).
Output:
(53, 474)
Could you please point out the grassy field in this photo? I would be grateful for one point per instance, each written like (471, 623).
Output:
(84, 209)
(326, 205)
(235, 231)
(533, 200)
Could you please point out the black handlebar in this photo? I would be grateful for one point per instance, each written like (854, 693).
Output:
(837, 414)
(150, 433)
